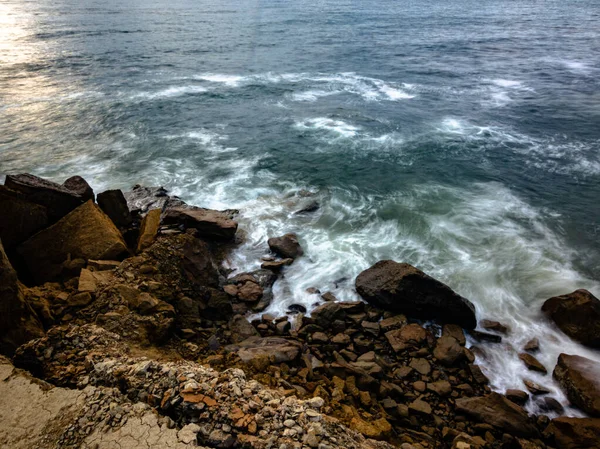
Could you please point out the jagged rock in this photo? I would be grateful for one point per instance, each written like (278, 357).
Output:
(577, 315)
(79, 186)
(85, 233)
(114, 204)
(574, 433)
(494, 326)
(409, 335)
(241, 329)
(286, 246)
(400, 287)
(327, 313)
(580, 379)
(454, 331)
(535, 388)
(532, 345)
(142, 199)
(376, 429)
(20, 219)
(478, 375)
(532, 363)
(498, 411)
(274, 349)
(148, 229)
(249, 292)
(57, 199)
(18, 322)
(448, 351)
(440, 387)
(519, 397)
(549, 404)
(208, 223)
(420, 407)
(276, 265)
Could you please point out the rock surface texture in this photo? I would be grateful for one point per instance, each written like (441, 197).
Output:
(580, 379)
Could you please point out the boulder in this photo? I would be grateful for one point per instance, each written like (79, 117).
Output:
(577, 315)
(519, 397)
(241, 329)
(58, 200)
(580, 379)
(143, 199)
(498, 411)
(574, 433)
(286, 246)
(448, 351)
(113, 203)
(79, 186)
(211, 224)
(18, 321)
(494, 326)
(148, 229)
(327, 313)
(400, 287)
(20, 219)
(275, 349)
(85, 233)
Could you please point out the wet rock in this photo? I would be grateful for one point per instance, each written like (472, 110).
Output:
(148, 229)
(79, 186)
(535, 388)
(485, 337)
(18, 322)
(494, 326)
(532, 363)
(286, 246)
(532, 345)
(577, 315)
(142, 199)
(328, 296)
(85, 233)
(519, 397)
(574, 433)
(20, 219)
(311, 206)
(208, 223)
(297, 308)
(249, 292)
(580, 380)
(454, 331)
(57, 199)
(498, 411)
(274, 349)
(478, 375)
(549, 405)
(276, 265)
(400, 287)
(448, 351)
(327, 313)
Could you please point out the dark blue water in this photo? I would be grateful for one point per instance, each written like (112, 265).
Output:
(461, 136)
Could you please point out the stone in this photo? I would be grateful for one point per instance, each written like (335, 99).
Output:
(454, 331)
(142, 199)
(276, 265)
(241, 329)
(249, 292)
(494, 326)
(394, 322)
(57, 199)
(403, 338)
(377, 429)
(87, 281)
(440, 387)
(478, 375)
(371, 328)
(79, 299)
(79, 186)
(519, 397)
(102, 265)
(148, 230)
(296, 308)
(319, 337)
(18, 322)
(532, 363)
(419, 407)
(574, 433)
(328, 296)
(275, 349)
(85, 233)
(549, 404)
(286, 246)
(577, 315)
(422, 366)
(400, 287)
(498, 411)
(535, 388)
(532, 345)
(209, 224)
(448, 351)
(327, 313)
(113, 203)
(20, 219)
(579, 378)
(485, 337)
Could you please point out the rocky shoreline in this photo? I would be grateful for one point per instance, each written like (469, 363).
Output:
(119, 305)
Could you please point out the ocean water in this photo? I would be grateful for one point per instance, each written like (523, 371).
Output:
(460, 136)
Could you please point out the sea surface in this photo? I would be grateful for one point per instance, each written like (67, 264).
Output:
(460, 136)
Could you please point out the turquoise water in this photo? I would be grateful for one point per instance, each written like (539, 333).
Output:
(459, 136)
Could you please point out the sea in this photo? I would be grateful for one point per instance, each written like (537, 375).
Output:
(460, 136)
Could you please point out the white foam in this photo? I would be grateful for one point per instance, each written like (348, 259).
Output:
(338, 127)
(507, 83)
(229, 80)
(170, 92)
(312, 95)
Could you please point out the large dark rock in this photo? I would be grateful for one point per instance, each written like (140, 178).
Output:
(577, 315)
(580, 379)
(574, 433)
(85, 233)
(79, 186)
(142, 199)
(498, 411)
(286, 246)
(211, 224)
(400, 287)
(19, 218)
(58, 200)
(18, 322)
(113, 203)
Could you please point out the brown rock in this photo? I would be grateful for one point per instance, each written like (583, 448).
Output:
(535, 388)
(478, 375)
(448, 351)
(454, 331)
(574, 433)
(494, 326)
(519, 397)
(87, 281)
(18, 321)
(327, 313)
(532, 345)
(419, 407)
(580, 379)
(57, 199)
(400, 287)
(391, 323)
(532, 363)
(276, 265)
(328, 296)
(286, 246)
(79, 186)
(250, 292)
(20, 219)
(275, 349)
(377, 429)
(409, 335)
(421, 365)
(577, 315)
(148, 229)
(85, 233)
(498, 411)
(241, 329)
(440, 387)
(209, 224)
